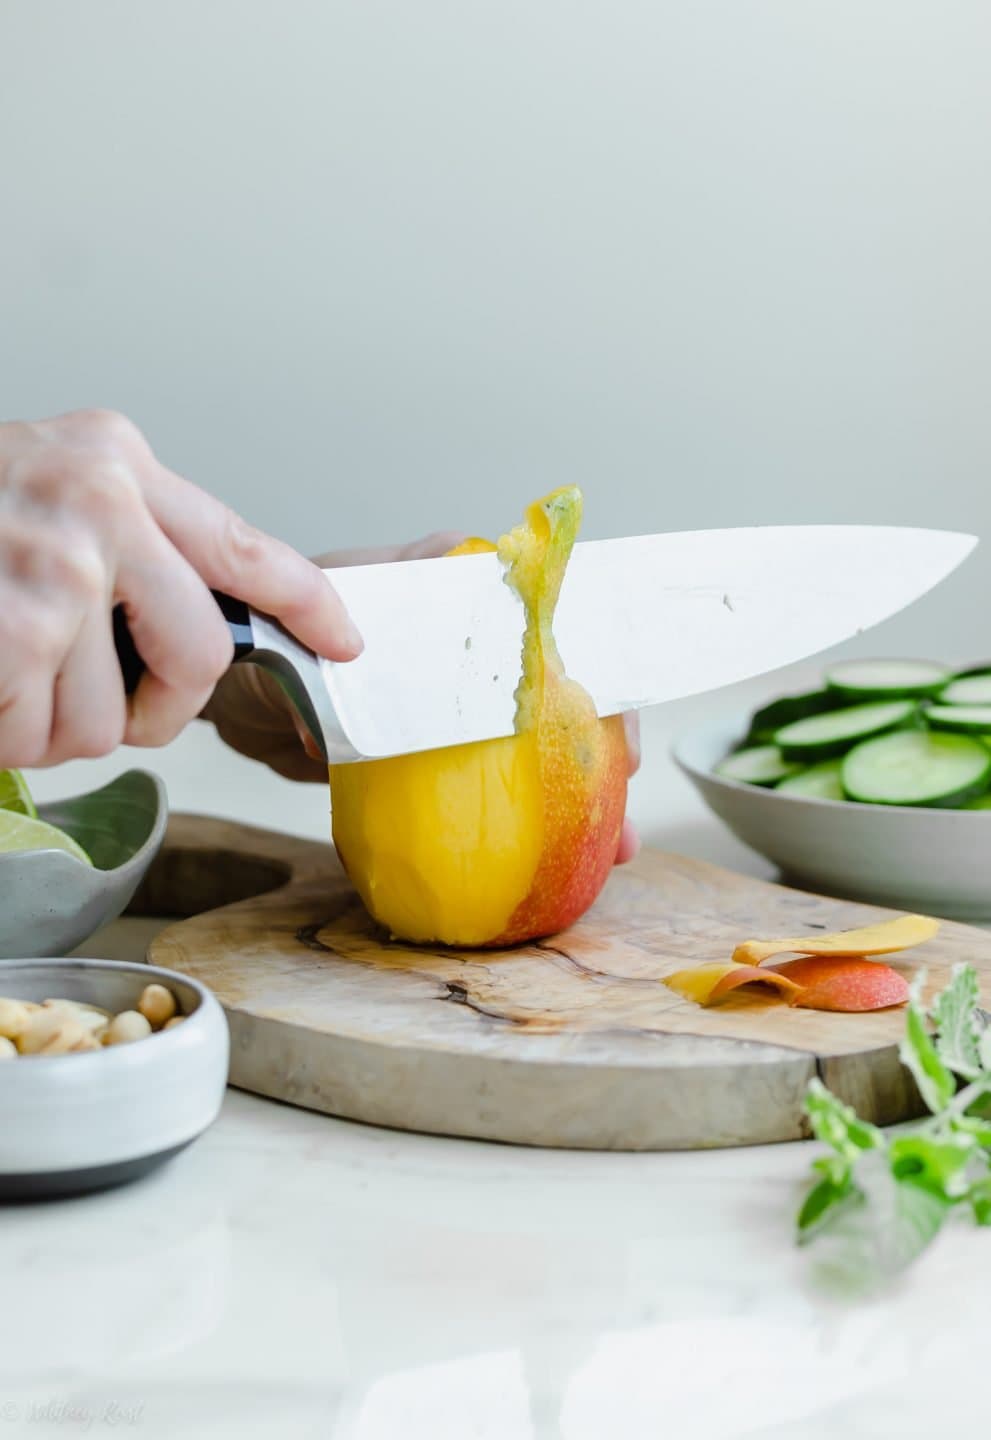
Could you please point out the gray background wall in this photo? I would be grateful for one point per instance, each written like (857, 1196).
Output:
(368, 268)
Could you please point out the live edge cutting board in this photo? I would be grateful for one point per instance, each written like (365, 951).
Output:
(570, 1042)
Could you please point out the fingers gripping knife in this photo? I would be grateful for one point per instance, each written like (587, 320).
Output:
(640, 620)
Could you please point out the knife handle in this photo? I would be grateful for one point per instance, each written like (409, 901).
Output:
(132, 667)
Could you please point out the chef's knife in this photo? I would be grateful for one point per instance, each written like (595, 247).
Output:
(640, 621)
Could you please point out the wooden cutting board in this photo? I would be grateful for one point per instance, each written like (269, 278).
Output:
(569, 1042)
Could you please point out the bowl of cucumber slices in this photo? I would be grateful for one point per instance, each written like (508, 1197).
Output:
(875, 786)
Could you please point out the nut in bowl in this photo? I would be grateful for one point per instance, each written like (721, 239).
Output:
(874, 788)
(108, 1069)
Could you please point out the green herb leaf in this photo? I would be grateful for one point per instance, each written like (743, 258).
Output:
(918, 1054)
(870, 1243)
(839, 1125)
(979, 1196)
(876, 1204)
(984, 1047)
(955, 1015)
(822, 1203)
(938, 1166)
(974, 1125)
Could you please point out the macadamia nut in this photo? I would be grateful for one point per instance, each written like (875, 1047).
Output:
(157, 1005)
(127, 1026)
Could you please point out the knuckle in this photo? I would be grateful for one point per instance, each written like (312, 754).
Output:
(105, 494)
(37, 558)
(33, 635)
(213, 657)
(242, 545)
(97, 738)
(105, 429)
(70, 485)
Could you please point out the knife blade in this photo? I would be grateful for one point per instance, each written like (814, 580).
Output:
(640, 621)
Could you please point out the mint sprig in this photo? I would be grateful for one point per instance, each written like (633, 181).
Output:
(881, 1199)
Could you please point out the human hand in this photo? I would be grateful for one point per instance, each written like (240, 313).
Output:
(251, 711)
(89, 518)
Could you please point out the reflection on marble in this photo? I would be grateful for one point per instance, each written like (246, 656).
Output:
(295, 1275)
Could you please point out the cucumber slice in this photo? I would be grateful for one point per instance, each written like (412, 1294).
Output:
(982, 802)
(818, 782)
(917, 767)
(967, 690)
(820, 737)
(880, 679)
(758, 765)
(770, 718)
(967, 719)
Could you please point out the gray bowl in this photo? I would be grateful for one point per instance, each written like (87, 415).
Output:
(934, 861)
(49, 901)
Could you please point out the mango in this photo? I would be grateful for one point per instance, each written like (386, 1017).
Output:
(507, 840)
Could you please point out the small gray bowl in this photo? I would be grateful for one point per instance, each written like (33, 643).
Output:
(910, 858)
(49, 901)
(73, 1123)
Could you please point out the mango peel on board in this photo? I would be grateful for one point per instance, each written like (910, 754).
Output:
(507, 840)
(831, 972)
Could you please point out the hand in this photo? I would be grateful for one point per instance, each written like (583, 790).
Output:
(252, 714)
(251, 711)
(89, 519)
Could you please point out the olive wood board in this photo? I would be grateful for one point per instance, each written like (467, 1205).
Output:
(571, 1041)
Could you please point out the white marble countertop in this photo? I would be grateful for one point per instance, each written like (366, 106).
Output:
(291, 1275)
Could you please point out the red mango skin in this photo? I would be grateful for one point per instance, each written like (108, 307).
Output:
(841, 983)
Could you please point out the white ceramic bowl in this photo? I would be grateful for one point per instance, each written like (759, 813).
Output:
(72, 1123)
(934, 861)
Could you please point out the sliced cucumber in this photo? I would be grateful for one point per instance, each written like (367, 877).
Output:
(967, 690)
(887, 679)
(967, 719)
(770, 718)
(818, 782)
(982, 802)
(757, 765)
(820, 737)
(917, 767)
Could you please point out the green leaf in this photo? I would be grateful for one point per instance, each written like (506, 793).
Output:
(839, 1125)
(955, 1015)
(938, 1166)
(918, 1054)
(984, 1047)
(822, 1203)
(974, 1125)
(979, 1196)
(868, 1244)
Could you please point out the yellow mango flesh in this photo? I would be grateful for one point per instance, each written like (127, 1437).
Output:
(504, 840)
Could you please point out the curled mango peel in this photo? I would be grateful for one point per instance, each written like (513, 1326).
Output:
(885, 938)
(708, 984)
(506, 840)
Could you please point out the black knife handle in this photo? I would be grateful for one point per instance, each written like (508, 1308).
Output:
(132, 667)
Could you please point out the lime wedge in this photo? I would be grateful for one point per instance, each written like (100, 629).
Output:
(15, 795)
(24, 832)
